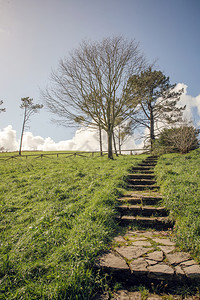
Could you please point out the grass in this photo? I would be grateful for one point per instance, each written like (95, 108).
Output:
(179, 177)
(57, 215)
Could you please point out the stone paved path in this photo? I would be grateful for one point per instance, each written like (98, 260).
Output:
(145, 295)
(147, 255)
(125, 295)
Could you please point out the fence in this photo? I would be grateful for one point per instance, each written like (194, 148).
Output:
(5, 156)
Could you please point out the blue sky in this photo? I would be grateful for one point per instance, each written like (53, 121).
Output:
(35, 34)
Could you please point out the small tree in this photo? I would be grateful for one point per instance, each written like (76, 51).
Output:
(29, 109)
(157, 101)
(2, 109)
(122, 132)
(183, 139)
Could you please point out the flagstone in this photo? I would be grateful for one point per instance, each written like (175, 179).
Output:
(119, 239)
(179, 271)
(113, 261)
(142, 243)
(160, 271)
(167, 249)
(156, 255)
(135, 239)
(151, 262)
(165, 242)
(188, 263)
(131, 252)
(139, 266)
(178, 257)
(192, 272)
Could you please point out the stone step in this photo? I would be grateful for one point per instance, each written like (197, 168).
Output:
(149, 161)
(145, 164)
(141, 176)
(160, 223)
(140, 200)
(146, 170)
(143, 194)
(141, 171)
(147, 257)
(138, 210)
(151, 158)
(141, 181)
(142, 187)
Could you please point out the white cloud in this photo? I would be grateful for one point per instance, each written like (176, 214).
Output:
(31, 142)
(8, 139)
(191, 104)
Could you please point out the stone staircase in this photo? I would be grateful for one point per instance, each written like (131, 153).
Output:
(140, 205)
(145, 253)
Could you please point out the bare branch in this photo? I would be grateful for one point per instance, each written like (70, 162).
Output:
(88, 86)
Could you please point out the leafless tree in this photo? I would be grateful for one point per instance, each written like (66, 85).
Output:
(122, 132)
(29, 109)
(182, 138)
(88, 86)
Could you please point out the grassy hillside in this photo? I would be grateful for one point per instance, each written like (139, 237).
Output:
(179, 177)
(57, 214)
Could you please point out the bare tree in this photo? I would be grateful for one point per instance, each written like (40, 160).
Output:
(29, 109)
(122, 132)
(182, 138)
(157, 101)
(2, 109)
(89, 85)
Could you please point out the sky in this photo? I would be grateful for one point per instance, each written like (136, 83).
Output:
(36, 34)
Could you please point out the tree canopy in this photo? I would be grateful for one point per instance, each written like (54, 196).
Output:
(88, 86)
(157, 100)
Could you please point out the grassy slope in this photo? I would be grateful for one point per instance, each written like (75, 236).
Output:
(179, 177)
(56, 216)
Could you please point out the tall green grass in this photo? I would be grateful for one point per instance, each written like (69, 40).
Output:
(179, 177)
(57, 215)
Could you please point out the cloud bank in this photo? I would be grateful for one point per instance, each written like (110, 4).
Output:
(87, 139)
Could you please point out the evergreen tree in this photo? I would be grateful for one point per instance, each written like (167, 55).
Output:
(157, 99)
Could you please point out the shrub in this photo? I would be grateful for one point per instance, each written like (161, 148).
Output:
(181, 139)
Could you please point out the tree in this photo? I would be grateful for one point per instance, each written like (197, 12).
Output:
(157, 101)
(183, 138)
(122, 132)
(89, 85)
(2, 109)
(29, 109)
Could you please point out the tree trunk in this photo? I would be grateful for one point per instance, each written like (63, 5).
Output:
(100, 141)
(22, 133)
(110, 136)
(152, 133)
(119, 139)
(115, 144)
